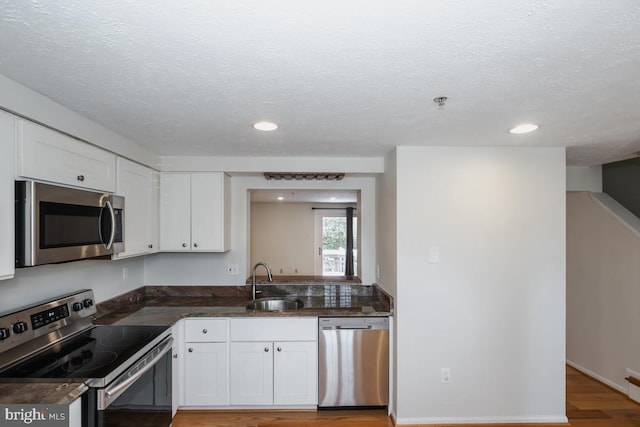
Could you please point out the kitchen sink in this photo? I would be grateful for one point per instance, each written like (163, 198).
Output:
(275, 304)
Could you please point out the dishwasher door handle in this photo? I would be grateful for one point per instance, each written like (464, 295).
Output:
(353, 328)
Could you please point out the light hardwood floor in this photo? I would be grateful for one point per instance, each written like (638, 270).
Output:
(589, 404)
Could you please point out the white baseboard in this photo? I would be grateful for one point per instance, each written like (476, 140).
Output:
(621, 389)
(561, 419)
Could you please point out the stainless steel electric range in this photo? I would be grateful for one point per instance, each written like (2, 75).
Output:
(127, 368)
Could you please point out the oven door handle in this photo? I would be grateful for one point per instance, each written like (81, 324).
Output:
(113, 391)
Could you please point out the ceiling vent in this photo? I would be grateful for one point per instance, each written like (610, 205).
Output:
(309, 176)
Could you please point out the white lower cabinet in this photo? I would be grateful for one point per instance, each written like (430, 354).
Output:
(205, 362)
(273, 361)
(248, 362)
(251, 373)
(295, 367)
(75, 413)
(205, 379)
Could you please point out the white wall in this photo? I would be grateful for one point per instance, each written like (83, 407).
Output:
(210, 269)
(603, 290)
(284, 236)
(35, 284)
(584, 178)
(493, 309)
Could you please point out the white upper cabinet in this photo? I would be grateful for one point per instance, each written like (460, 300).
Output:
(7, 136)
(48, 155)
(175, 212)
(140, 187)
(194, 212)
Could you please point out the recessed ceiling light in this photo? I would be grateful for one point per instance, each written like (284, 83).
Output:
(524, 128)
(265, 126)
(280, 198)
(332, 198)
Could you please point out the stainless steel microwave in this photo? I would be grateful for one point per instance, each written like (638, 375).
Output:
(58, 224)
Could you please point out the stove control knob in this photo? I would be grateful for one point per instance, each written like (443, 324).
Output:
(4, 333)
(19, 327)
(77, 306)
(87, 302)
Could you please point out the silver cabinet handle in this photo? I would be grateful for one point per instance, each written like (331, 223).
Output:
(279, 348)
(266, 349)
(204, 331)
(190, 350)
(80, 178)
(195, 245)
(184, 245)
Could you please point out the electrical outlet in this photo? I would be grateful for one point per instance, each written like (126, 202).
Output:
(125, 273)
(232, 269)
(446, 375)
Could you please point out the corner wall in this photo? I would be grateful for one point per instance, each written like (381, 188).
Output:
(387, 266)
(603, 290)
(492, 308)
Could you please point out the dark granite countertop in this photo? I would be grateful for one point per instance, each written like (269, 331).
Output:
(165, 305)
(41, 393)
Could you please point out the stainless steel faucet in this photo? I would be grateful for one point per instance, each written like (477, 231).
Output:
(269, 275)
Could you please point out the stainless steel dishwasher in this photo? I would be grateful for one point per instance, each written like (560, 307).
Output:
(353, 361)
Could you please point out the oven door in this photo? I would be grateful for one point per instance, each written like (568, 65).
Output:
(141, 396)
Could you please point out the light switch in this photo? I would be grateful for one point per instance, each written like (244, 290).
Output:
(434, 255)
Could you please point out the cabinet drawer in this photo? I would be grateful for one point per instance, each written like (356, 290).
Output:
(52, 156)
(205, 330)
(274, 329)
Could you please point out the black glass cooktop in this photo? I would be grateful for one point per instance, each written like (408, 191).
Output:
(91, 354)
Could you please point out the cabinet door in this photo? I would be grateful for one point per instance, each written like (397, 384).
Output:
(205, 374)
(134, 183)
(153, 213)
(251, 373)
(7, 205)
(177, 386)
(295, 379)
(52, 156)
(207, 212)
(175, 212)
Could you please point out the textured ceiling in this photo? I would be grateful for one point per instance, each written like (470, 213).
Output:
(341, 78)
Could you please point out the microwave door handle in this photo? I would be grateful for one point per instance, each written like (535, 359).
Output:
(107, 205)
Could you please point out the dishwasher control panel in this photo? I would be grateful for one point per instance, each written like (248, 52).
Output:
(371, 323)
